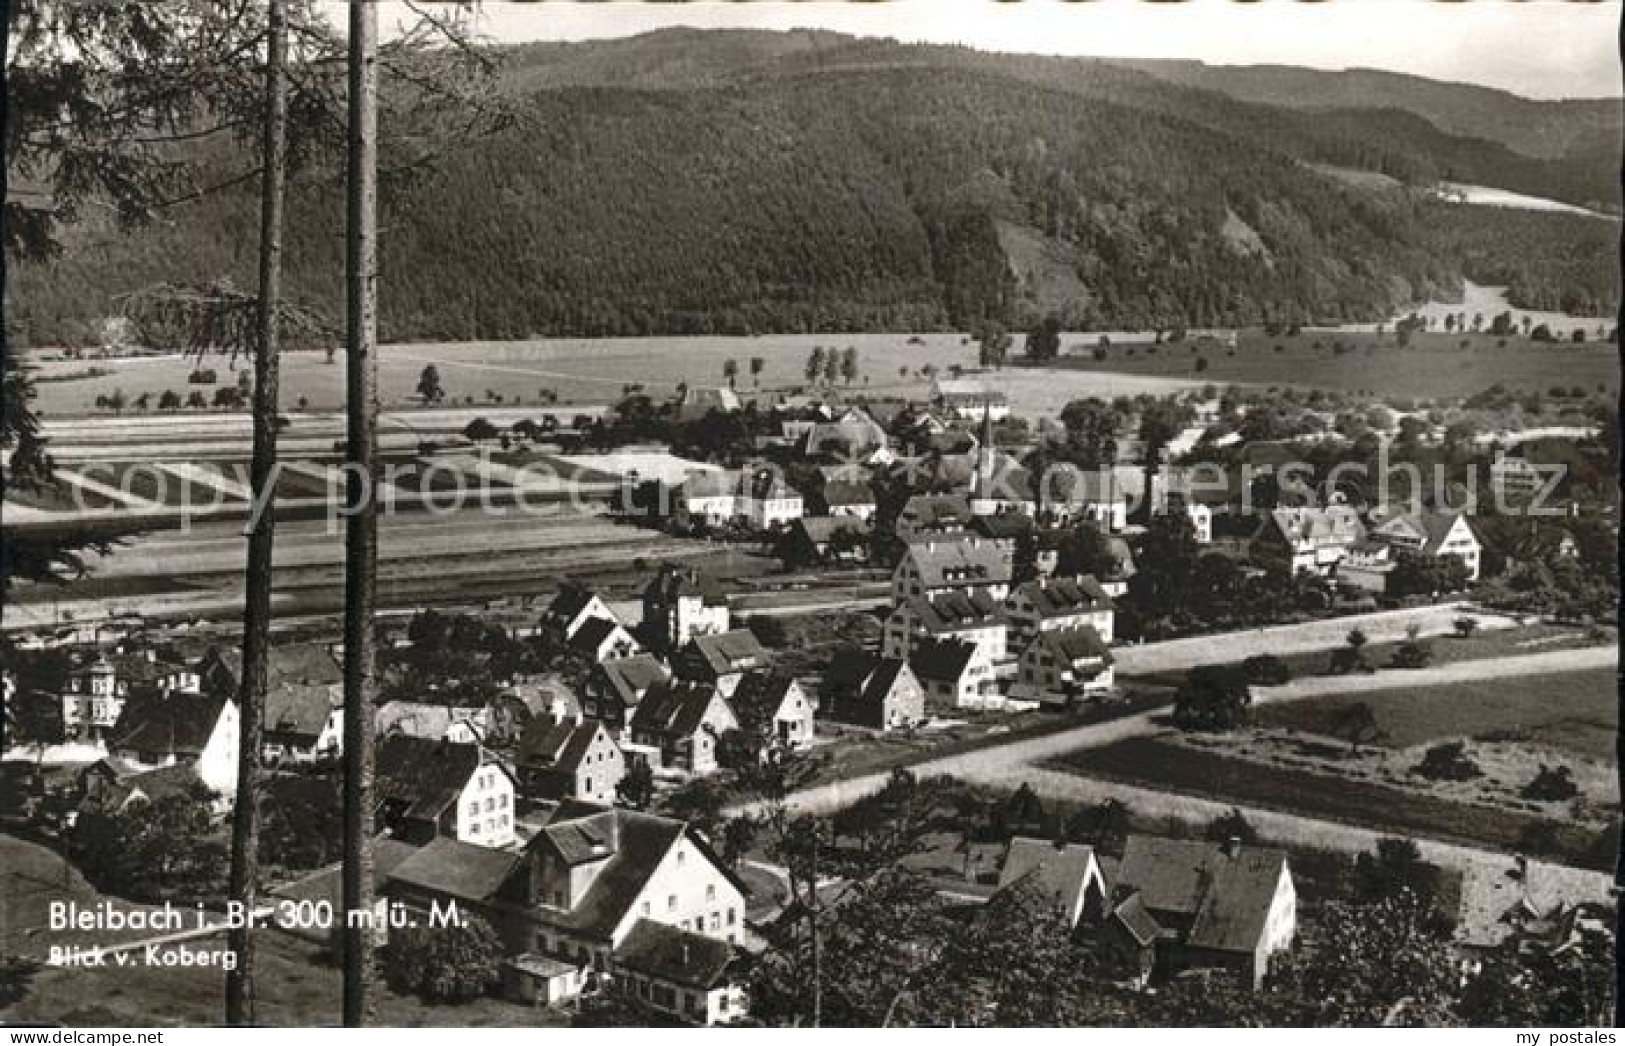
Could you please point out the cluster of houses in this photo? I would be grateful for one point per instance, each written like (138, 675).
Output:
(1337, 542)
(513, 808)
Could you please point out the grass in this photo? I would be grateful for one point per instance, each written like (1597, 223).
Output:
(1149, 762)
(1433, 365)
(1571, 711)
(1530, 639)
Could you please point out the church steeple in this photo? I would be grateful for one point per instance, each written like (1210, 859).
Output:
(982, 482)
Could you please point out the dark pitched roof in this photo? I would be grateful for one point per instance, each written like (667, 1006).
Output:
(675, 956)
(880, 682)
(941, 659)
(675, 708)
(631, 676)
(299, 709)
(640, 842)
(762, 689)
(310, 663)
(1060, 597)
(1004, 526)
(1139, 923)
(936, 509)
(1227, 897)
(457, 869)
(592, 633)
(571, 600)
(585, 839)
(426, 775)
(722, 652)
(326, 884)
(848, 492)
(1432, 527)
(820, 529)
(1329, 525)
(956, 610)
(1059, 873)
(177, 723)
(556, 745)
(173, 780)
(963, 560)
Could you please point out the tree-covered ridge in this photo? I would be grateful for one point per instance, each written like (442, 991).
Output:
(884, 195)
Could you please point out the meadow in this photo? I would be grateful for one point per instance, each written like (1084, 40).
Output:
(1570, 711)
(594, 371)
(1432, 366)
(1167, 765)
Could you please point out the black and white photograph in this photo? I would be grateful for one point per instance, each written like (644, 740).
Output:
(806, 514)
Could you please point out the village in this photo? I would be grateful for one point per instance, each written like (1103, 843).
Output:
(604, 776)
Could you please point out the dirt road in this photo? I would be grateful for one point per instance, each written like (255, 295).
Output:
(1008, 765)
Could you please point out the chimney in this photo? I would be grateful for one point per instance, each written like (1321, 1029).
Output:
(1232, 847)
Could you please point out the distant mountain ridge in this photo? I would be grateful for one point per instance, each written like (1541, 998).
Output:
(692, 182)
(1545, 129)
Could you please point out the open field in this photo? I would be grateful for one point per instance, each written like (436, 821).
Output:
(1170, 767)
(590, 372)
(1433, 365)
(1573, 711)
(1447, 649)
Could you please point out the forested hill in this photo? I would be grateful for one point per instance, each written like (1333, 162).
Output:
(689, 182)
(1542, 129)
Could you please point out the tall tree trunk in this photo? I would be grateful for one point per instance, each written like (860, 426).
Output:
(245, 824)
(361, 529)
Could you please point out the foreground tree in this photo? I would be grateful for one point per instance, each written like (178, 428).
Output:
(245, 822)
(361, 529)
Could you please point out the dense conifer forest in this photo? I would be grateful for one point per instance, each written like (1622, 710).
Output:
(690, 183)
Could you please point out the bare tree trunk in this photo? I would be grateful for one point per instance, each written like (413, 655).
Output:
(361, 528)
(245, 822)
(814, 911)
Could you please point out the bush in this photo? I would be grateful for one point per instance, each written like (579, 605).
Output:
(1411, 654)
(1232, 824)
(1551, 784)
(1266, 670)
(1448, 762)
(1465, 626)
(1213, 697)
(444, 963)
(1349, 659)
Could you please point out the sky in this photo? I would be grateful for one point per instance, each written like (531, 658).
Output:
(1537, 48)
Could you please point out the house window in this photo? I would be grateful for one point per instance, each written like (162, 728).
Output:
(680, 856)
(716, 921)
(645, 907)
(671, 903)
(474, 828)
(711, 891)
(731, 917)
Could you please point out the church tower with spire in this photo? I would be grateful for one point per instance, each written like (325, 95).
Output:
(984, 495)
